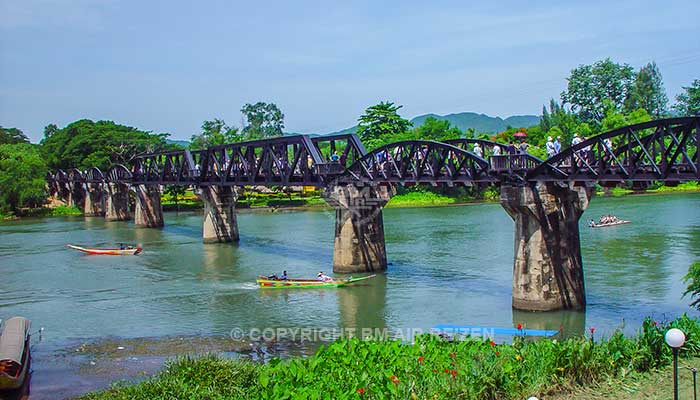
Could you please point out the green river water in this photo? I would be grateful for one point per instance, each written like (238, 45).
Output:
(449, 265)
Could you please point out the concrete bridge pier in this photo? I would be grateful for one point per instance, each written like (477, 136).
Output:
(220, 224)
(547, 271)
(148, 212)
(94, 201)
(117, 202)
(359, 227)
(76, 195)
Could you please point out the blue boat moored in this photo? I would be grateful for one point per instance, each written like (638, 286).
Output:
(487, 330)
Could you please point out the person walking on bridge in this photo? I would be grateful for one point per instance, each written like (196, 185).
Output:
(551, 152)
(478, 151)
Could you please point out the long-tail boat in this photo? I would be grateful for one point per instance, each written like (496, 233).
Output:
(112, 252)
(268, 283)
(14, 352)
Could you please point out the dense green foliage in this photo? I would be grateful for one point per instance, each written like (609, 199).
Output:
(84, 144)
(379, 123)
(429, 368)
(22, 174)
(692, 278)
(648, 92)
(12, 136)
(264, 120)
(688, 102)
(590, 86)
(214, 133)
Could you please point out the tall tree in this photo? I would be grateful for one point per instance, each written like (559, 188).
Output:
(688, 102)
(381, 120)
(263, 120)
(50, 129)
(12, 136)
(648, 92)
(589, 85)
(83, 144)
(214, 133)
(22, 174)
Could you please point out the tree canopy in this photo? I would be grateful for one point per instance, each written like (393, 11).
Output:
(84, 143)
(214, 133)
(22, 177)
(688, 102)
(590, 85)
(380, 121)
(12, 136)
(263, 121)
(648, 92)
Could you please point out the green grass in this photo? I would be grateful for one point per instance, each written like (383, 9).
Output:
(413, 199)
(61, 211)
(430, 368)
(692, 186)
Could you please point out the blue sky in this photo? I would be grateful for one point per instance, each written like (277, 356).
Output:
(166, 66)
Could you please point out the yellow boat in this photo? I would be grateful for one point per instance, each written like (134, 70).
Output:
(267, 283)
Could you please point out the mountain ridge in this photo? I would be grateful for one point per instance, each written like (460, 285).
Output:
(481, 123)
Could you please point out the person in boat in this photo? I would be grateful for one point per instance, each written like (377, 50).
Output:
(122, 246)
(591, 223)
(323, 277)
(283, 277)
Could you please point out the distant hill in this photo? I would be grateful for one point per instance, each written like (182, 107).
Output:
(481, 123)
(183, 143)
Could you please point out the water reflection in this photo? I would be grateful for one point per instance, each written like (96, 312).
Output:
(569, 323)
(362, 305)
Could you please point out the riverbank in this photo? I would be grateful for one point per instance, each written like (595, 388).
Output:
(432, 367)
(313, 200)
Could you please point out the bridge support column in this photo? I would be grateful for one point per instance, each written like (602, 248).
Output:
(359, 227)
(547, 271)
(76, 195)
(94, 201)
(117, 202)
(220, 224)
(148, 212)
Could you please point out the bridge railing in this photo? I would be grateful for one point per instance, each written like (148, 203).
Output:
(513, 163)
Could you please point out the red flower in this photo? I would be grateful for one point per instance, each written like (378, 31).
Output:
(454, 373)
(498, 353)
(361, 390)
(395, 380)
(656, 323)
(520, 327)
(561, 328)
(492, 343)
(592, 330)
(420, 359)
(447, 371)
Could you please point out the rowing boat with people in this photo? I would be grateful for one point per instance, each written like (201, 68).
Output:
(267, 283)
(615, 223)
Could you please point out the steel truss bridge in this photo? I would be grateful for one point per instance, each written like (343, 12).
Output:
(663, 150)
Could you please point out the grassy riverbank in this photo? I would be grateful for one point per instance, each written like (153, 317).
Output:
(431, 368)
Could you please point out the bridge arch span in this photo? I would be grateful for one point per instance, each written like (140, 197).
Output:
(417, 161)
(94, 175)
(661, 150)
(118, 173)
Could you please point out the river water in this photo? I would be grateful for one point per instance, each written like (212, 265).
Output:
(449, 265)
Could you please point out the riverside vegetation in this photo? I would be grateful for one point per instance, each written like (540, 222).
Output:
(429, 368)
